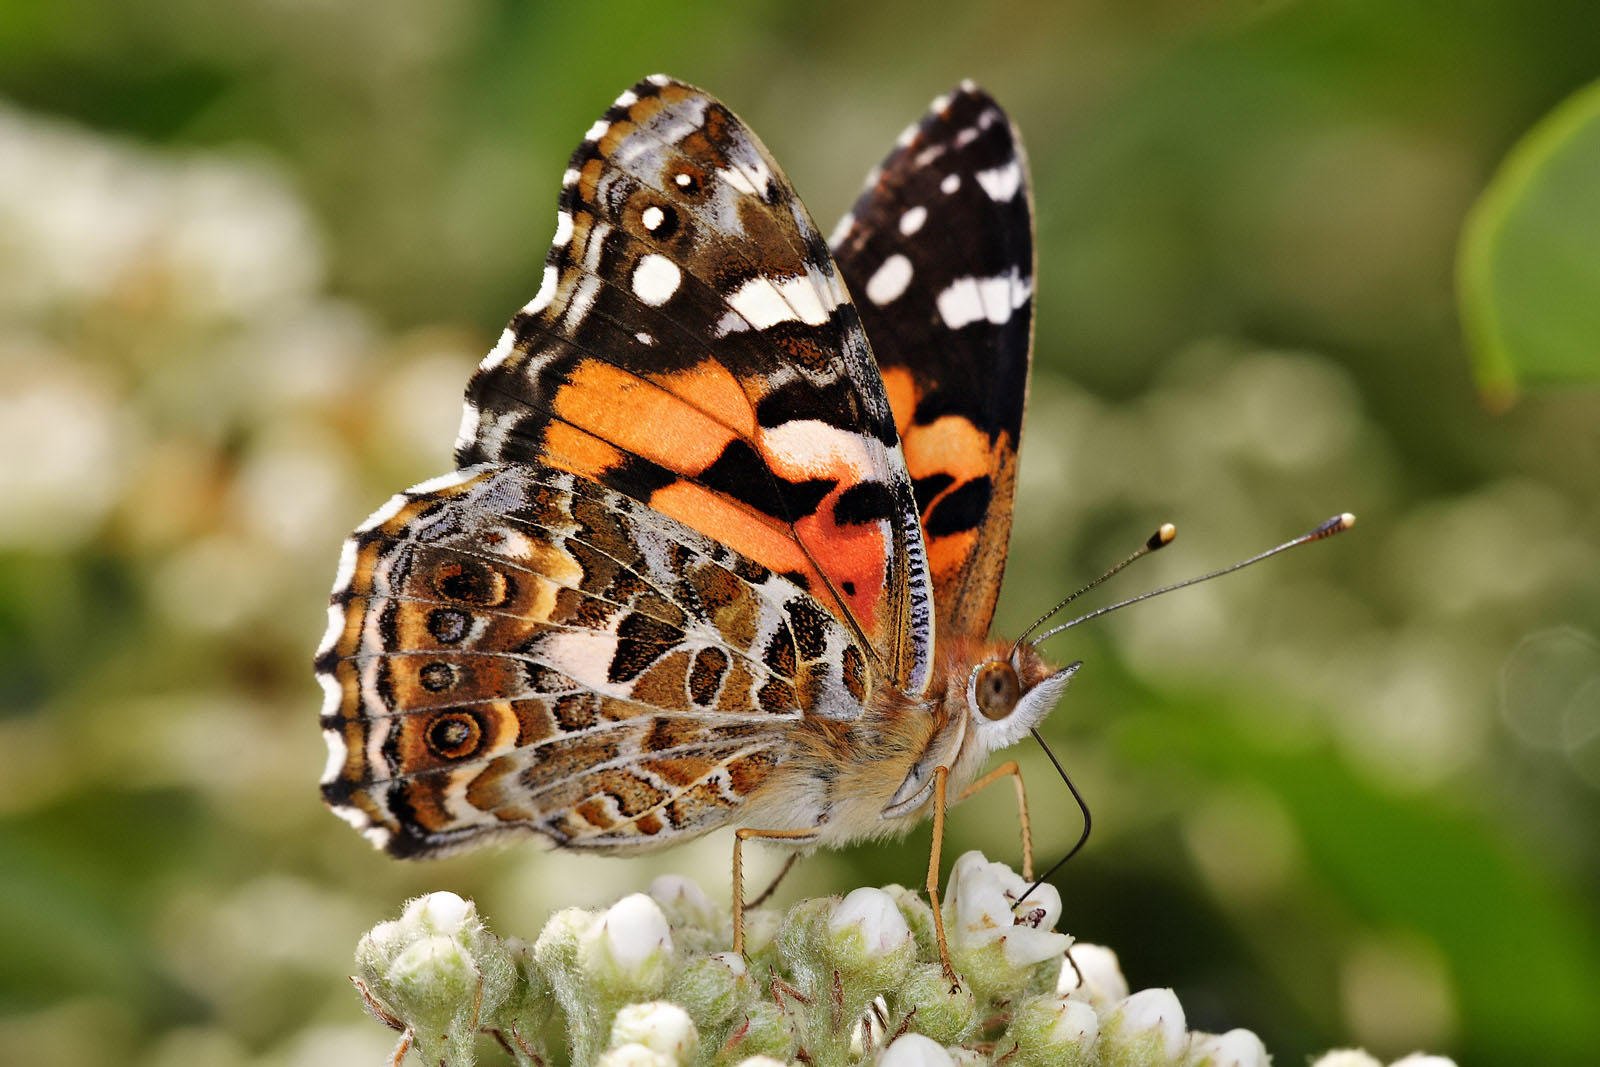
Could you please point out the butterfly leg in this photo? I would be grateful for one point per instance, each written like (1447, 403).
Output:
(941, 777)
(740, 836)
(1009, 769)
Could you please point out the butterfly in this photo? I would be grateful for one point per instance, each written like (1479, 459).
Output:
(729, 515)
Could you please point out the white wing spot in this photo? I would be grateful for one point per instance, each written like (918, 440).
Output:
(655, 279)
(683, 179)
(546, 293)
(569, 178)
(652, 217)
(563, 229)
(644, 338)
(764, 302)
(889, 280)
(443, 481)
(390, 509)
(951, 183)
(597, 131)
(1002, 182)
(469, 425)
(502, 348)
(969, 300)
(583, 298)
(913, 219)
(659, 80)
(628, 99)
(966, 136)
(338, 753)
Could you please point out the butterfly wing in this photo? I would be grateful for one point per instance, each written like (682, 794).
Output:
(939, 251)
(515, 648)
(692, 347)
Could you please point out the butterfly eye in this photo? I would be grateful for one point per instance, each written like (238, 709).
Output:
(996, 689)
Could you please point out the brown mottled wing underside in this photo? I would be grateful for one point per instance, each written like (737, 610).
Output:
(693, 347)
(517, 649)
(938, 251)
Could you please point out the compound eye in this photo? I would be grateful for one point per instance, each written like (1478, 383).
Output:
(996, 689)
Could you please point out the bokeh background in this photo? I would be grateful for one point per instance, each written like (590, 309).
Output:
(249, 253)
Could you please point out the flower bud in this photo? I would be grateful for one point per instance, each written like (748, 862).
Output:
(657, 1025)
(1147, 1027)
(868, 938)
(1091, 973)
(713, 988)
(914, 1050)
(438, 971)
(629, 949)
(1236, 1048)
(1055, 1030)
(990, 941)
(440, 913)
(947, 1017)
(765, 1031)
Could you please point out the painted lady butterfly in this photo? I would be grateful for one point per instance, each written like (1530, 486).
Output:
(709, 558)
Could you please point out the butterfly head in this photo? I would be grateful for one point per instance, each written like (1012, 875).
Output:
(1009, 694)
(994, 695)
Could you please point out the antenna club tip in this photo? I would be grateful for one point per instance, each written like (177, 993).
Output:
(1162, 537)
(1338, 524)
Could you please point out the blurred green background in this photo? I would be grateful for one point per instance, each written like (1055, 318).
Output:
(249, 253)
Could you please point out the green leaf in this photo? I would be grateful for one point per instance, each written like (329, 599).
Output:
(1529, 265)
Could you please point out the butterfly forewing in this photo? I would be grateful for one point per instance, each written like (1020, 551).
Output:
(516, 648)
(692, 347)
(938, 251)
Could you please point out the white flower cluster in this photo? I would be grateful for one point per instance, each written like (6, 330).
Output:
(856, 980)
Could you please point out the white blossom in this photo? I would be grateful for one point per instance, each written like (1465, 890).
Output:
(979, 912)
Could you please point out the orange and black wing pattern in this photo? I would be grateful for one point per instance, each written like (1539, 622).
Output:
(938, 251)
(516, 649)
(693, 347)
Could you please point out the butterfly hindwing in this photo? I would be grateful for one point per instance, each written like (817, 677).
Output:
(938, 251)
(515, 648)
(693, 347)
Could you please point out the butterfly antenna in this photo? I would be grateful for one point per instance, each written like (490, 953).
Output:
(1160, 539)
(1335, 525)
(1083, 806)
